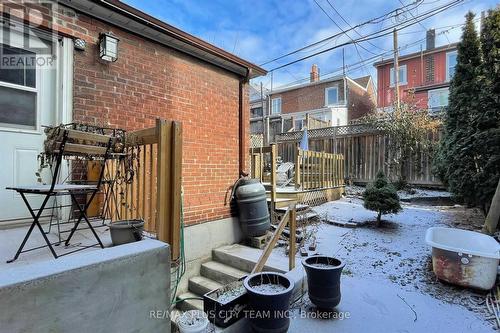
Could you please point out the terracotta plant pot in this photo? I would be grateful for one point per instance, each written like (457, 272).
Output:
(269, 296)
(323, 280)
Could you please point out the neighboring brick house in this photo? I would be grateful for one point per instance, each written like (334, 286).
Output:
(160, 71)
(424, 77)
(258, 108)
(335, 101)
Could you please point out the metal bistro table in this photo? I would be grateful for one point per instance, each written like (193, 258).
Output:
(67, 142)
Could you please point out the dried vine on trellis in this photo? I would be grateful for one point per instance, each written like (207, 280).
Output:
(408, 128)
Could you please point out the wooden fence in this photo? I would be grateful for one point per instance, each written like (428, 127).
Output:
(146, 184)
(365, 150)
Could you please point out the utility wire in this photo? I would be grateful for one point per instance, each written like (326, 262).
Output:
(377, 34)
(357, 33)
(375, 20)
(409, 12)
(350, 67)
(338, 26)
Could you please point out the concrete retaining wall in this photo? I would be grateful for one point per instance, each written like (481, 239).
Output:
(118, 289)
(201, 239)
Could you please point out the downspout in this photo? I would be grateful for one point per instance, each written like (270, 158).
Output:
(242, 136)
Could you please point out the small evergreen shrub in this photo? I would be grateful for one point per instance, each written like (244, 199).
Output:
(381, 197)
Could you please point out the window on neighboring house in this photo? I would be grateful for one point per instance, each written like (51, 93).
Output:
(451, 62)
(276, 105)
(18, 93)
(403, 79)
(256, 112)
(438, 99)
(256, 127)
(331, 96)
(299, 124)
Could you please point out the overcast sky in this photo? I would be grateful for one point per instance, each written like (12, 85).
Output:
(260, 30)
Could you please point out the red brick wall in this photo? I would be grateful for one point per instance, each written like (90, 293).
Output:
(361, 102)
(416, 77)
(307, 98)
(150, 81)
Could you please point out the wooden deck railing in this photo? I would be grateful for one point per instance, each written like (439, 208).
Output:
(147, 183)
(315, 170)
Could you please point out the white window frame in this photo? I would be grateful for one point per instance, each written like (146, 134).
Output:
(20, 128)
(273, 111)
(437, 91)
(448, 78)
(326, 95)
(392, 78)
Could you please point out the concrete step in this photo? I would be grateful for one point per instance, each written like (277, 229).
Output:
(200, 285)
(244, 258)
(188, 303)
(220, 272)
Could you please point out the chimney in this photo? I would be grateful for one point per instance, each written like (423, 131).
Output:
(430, 39)
(314, 73)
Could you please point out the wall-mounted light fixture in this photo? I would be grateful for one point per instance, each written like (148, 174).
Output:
(108, 47)
(80, 44)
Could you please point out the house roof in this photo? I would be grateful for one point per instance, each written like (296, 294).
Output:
(308, 84)
(138, 22)
(448, 47)
(363, 81)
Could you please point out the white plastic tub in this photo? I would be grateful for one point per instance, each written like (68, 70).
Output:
(462, 257)
(193, 321)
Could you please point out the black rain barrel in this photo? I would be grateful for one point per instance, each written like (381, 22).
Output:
(252, 206)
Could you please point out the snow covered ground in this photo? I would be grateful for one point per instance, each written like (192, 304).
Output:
(392, 263)
(414, 193)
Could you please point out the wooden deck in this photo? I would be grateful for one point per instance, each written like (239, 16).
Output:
(289, 194)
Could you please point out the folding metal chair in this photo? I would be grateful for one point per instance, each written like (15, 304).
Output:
(66, 143)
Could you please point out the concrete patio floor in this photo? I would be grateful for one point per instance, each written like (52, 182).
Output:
(10, 240)
(372, 306)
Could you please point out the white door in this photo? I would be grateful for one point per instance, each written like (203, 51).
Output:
(27, 102)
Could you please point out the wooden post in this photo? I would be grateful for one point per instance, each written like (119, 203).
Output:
(270, 246)
(323, 157)
(168, 183)
(273, 180)
(491, 222)
(396, 67)
(163, 204)
(292, 245)
(176, 189)
(298, 157)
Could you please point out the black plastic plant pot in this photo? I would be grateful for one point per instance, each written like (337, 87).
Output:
(269, 296)
(323, 280)
(226, 305)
